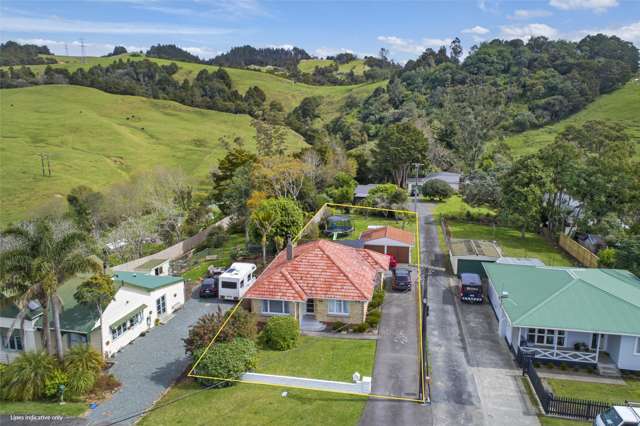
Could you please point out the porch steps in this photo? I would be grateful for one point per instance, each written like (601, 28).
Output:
(607, 368)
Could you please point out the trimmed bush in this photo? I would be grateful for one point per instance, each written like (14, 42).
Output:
(360, 328)
(83, 365)
(281, 333)
(436, 189)
(25, 378)
(373, 319)
(377, 299)
(338, 326)
(227, 360)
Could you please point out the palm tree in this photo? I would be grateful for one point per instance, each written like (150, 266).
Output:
(98, 291)
(264, 220)
(48, 255)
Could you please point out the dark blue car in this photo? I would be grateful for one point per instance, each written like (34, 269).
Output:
(471, 288)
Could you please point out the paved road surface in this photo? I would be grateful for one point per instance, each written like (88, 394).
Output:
(474, 379)
(147, 367)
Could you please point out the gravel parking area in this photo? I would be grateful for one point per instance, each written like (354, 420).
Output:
(151, 364)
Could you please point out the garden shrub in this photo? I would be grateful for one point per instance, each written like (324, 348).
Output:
(242, 324)
(281, 333)
(217, 237)
(373, 319)
(338, 326)
(377, 299)
(52, 384)
(360, 328)
(227, 360)
(436, 189)
(83, 365)
(25, 378)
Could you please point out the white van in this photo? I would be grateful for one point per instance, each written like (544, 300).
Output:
(235, 281)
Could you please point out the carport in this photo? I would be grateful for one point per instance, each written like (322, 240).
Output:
(389, 240)
(468, 255)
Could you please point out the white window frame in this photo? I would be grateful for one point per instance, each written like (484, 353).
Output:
(545, 333)
(266, 307)
(15, 339)
(161, 305)
(338, 307)
(636, 350)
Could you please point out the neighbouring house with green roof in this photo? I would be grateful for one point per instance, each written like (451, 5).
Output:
(573, 315)
(140, 303)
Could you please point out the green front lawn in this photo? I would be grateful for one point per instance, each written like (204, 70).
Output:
(510, 242)
(321, 358)
(630, 391)
(556, 421)
(248, 404)
(71, 409)
(455, 206)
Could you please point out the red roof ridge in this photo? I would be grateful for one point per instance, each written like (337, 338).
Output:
(377, 257)
(294, 285)
(321, 245)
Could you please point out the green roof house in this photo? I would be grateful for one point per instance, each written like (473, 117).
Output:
(141, 301)
(573, 315)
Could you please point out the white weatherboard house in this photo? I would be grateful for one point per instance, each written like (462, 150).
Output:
(140, 301)
(577, 315)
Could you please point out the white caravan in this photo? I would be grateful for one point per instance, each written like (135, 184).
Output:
(235, 281)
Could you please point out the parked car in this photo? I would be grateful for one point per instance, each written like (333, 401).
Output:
(471, 288)
(209, 286)
(619, 416)
(402, 279)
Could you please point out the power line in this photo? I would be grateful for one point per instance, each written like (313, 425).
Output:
(156, 407)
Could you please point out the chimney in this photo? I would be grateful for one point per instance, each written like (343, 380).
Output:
(289, 248)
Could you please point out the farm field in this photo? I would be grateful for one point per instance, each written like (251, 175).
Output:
(308, 65)
(277, 88)
(621, 106)
(95, 139)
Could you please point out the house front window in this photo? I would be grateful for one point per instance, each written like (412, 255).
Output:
(161, 305)
(275, 307)
(338, 307)
(637, 349)
(128, 324)
(545, 336)
(14, 342)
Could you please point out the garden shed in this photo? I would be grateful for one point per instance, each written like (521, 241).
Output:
(389, 240)
(468, 255)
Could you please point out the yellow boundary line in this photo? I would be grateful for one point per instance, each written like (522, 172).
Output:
(361, 394)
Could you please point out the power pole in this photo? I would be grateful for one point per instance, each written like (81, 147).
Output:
(42, 162)
(48, 165)
(415, 189)
(66, 50)
(82, 50)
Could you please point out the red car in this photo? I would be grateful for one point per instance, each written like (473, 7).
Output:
(393, 262)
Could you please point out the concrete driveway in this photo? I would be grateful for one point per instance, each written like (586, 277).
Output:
(151, 364)
(474, 379)
(396, 370)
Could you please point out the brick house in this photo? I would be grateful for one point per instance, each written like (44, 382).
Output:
(317, 283)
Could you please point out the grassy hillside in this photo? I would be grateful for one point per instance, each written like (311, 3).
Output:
(308, 65)
(277, 88)
(622, 106)
(96, 139)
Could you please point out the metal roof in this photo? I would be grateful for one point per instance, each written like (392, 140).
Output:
(530, 261)
(150, 264)
(462, 248)
(578, 299)
(144, 281)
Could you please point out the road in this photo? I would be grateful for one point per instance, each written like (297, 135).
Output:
(474, 378)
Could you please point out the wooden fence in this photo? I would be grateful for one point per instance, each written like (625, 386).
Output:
(559, 405)
(581, 254)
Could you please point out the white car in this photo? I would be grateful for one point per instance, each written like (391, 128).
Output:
(619, 416)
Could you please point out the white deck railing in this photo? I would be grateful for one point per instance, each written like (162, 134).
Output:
(560, 354)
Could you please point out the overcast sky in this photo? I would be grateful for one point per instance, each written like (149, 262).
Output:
(208, 27)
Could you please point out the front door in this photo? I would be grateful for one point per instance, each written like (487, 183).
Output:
(310, 306)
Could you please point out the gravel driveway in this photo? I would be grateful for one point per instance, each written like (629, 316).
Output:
(150, 364)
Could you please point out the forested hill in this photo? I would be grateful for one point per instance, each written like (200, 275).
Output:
(12, 53)
(245, 56)
(501, 88)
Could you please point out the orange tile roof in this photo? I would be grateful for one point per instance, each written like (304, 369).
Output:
(388, 232)
(320, 270)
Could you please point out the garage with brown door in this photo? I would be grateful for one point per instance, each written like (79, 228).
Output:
(389, 240)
